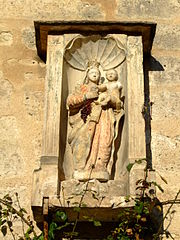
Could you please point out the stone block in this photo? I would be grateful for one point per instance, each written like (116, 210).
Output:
(34, 103)
(148, 9)
(12, 163)
(28, 37)
(90, 10)
(45, 180)
(95, 193)
(66, 9)
(167, 37)
(16, 8)
(6, 38)
(6, 90)
(165, 151)
(168, 76)
(166, 104)
(167, 127)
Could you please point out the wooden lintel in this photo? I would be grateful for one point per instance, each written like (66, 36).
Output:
(43, 29)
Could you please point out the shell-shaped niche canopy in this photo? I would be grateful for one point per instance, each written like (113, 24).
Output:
(82, 51)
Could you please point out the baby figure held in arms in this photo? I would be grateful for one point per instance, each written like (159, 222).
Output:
(110, 91)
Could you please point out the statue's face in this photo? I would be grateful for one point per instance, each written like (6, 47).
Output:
(111, 75)
(94, 75)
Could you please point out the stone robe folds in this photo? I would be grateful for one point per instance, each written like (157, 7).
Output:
(91, 139)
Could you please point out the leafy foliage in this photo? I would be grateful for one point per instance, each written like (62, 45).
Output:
(134, 222)
(8, 216)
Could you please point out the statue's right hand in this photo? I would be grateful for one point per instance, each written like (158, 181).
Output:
(91, 95)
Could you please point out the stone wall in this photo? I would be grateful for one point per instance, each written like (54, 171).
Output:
(22, 75)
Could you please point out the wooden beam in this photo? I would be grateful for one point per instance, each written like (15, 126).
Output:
(43, 29)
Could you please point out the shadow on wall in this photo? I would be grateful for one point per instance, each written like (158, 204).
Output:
(150, 64)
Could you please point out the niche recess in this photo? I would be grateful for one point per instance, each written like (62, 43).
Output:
(54, 179)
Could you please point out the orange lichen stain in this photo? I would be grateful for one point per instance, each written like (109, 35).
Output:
(108, 7)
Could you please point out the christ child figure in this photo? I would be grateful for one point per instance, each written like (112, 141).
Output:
(109, 93)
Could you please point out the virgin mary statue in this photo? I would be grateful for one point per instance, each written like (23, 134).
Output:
(93, 128)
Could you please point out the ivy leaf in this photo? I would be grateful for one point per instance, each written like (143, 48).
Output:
(139, 208)
(29, 230)
(83, 205)
(52, 227)
(63, 226)
(61, 216)
(4, 230)
(129, 166)
(75, 203)
(71, 234)
(40, 237)
(23, 210)
(77, 209)
(139, 161)
(127, 198)
(97, 223)
(27, 237)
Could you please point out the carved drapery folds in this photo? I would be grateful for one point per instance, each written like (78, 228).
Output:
(95, 105)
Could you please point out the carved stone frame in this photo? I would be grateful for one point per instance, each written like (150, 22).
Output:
(50, 45)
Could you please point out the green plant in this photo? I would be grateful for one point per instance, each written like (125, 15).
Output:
(140, 222)
(9, 214)
(135, 223)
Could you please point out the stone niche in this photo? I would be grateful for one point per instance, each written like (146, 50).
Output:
(93, 125)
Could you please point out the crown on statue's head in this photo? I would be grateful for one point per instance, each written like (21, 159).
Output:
(93, 63)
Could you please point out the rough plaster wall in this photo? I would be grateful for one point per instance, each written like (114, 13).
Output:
(22, 85)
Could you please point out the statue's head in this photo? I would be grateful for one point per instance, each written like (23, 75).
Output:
(112, 75)
(93, 75)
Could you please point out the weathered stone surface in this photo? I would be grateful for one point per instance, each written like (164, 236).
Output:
(15, 7)
(53, 9)
(167, 36)
(169, 127)
(166, 104)
(24, 73)
(6, 90)
(151, 8)
(90, 10)
(168, 73)
(165, 150)
(28, 62)
(6, 38)
(28, 76)
(28, 36)
(95, 193)
(53, 99)
(34, 103)
(11, 165)
(11, 160)
(135, 86)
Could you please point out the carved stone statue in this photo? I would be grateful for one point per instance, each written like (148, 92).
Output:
(93, 109)
(92, 120)
(111, 90)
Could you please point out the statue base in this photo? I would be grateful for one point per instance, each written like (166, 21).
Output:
(86, 175)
